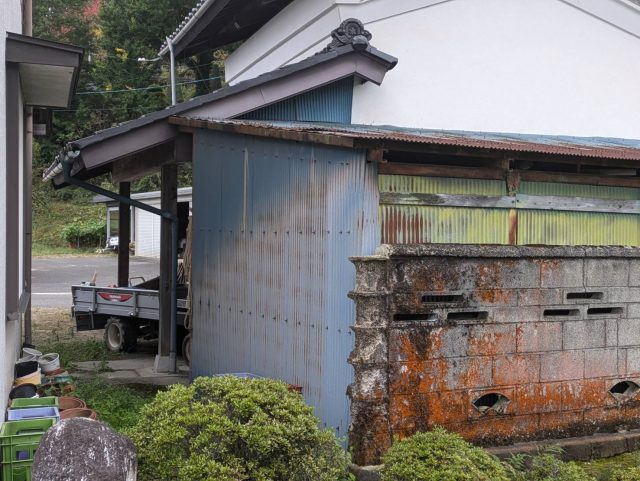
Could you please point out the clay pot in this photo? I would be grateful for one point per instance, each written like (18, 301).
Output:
(24, 391)
(78, 413)
(66, 402)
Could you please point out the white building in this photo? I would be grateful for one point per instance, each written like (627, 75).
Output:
(553, 67)
(145, 226)
(33, 72)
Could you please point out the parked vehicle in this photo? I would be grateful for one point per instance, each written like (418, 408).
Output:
(125, 313)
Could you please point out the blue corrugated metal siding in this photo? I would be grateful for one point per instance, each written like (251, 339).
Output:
(331, 103)
(274, 225)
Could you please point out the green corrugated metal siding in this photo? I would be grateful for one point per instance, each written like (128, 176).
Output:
(402, 224)
(440, 185)
(578, 190)
(406, 224)
(577, 228)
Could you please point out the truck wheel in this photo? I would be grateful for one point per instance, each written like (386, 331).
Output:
(186, 349)
(120, 335)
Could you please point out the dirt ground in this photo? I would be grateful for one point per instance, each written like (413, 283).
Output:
(54, 325)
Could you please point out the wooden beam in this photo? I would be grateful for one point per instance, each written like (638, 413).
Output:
(168, 203)
(478, 152)
(393, 168)
(143, 163)
(124, 235)
(518, 201)
(587, 179)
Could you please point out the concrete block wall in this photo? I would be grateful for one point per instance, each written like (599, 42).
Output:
(500, 344)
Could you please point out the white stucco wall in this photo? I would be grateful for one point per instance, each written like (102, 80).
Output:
(545, 66)
(506, 66)
(10, 21)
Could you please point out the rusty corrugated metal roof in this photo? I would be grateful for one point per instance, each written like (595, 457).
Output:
(600, 147)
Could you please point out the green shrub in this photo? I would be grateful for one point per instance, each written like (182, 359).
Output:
(440, 456)
(627, 474)
(546, 466)
(84, 233)
(232, 429)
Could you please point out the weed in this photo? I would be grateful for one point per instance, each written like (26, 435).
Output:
(80, 350)
(115, 404)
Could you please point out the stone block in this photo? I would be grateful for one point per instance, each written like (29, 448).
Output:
(606, 272)
(561, 273)
(372, 311)
(584, 394)
(457, 373)
(583, 334)
(370, 346)
(634, 272)
(600, 363)
(491, 339)
(538, 398)
(78, 449)
(629, 332)
(539, 337)
(371, 274)
(447, 407)
(495, 297)
(516, 369)
(621, 294)
(562, 366)
(633, 311)
(632, 362)
(560, 424)
(612, 332)
(370, 384)
(406, 377)
(539, 297)
(514, 314)
(413, 344)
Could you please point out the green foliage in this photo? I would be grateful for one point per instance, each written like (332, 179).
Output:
(84, 233)
(546, 466)
(440, 456)
(628, 474)
(117, 405)
(232, 429)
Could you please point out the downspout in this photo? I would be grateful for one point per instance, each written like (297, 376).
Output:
(27, 202)
(66, 160)
(172, 61)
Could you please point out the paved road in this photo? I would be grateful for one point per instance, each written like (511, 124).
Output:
(54, 276)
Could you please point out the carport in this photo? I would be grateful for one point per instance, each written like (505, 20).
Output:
(151, 143)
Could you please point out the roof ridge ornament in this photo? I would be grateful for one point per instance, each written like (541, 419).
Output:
(350, 32)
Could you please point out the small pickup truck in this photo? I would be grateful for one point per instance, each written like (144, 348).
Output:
(127, 313)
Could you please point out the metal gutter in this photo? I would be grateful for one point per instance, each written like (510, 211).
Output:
(66, 163)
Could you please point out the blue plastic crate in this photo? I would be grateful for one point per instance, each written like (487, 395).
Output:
(33, 413)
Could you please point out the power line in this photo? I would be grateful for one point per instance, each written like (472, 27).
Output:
(145, 88)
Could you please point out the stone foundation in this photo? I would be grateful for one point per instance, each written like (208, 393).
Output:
(501, 344)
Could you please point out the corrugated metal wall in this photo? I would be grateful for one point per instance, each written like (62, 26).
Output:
(331, 103)
(274, 225)
(407, 224)
(402, 224)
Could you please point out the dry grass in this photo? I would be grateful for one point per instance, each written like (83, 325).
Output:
(55, 325)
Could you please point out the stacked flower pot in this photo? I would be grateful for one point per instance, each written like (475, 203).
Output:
(32, 412)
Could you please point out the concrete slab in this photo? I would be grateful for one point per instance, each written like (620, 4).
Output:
(134, 370)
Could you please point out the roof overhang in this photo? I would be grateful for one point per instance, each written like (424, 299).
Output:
(214, 23)
(623, 151)
(153, 138)
(48, 70)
